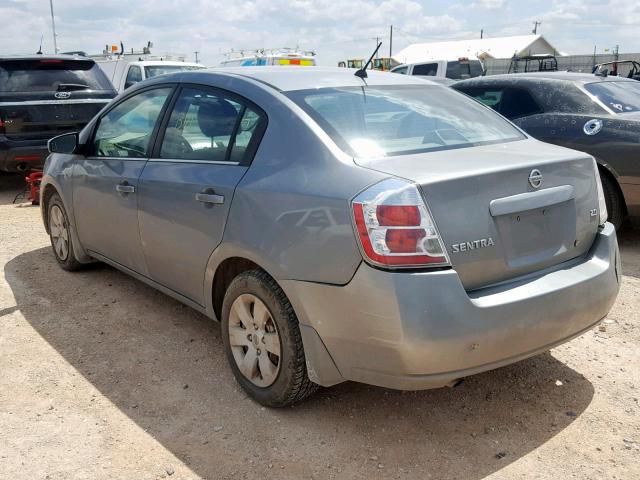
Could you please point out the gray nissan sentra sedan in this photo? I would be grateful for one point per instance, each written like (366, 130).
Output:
(383, 230)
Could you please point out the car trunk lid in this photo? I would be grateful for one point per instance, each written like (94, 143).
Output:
(496, 225)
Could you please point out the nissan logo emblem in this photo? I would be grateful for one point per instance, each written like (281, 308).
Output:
(535, 178)
(62, 95)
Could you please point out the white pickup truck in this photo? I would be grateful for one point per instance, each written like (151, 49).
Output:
(124, 73)
(454, 69)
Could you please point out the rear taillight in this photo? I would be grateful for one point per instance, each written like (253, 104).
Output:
(394, 226)
(1, 124)
(602, 205)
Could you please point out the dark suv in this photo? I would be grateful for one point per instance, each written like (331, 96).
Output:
(44, 96)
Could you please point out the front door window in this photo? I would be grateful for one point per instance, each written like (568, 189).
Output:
(125, 131)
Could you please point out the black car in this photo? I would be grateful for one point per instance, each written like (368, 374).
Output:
(44, 96)
(595, 114)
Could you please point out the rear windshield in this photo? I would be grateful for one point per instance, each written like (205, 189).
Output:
(48, 75)
(458, 70)
(404, 119)
(155, 70)
(621, 97)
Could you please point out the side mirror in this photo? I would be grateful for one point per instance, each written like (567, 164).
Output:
(129, 83)
(65, 143)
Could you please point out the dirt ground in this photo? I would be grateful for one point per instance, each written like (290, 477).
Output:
(104, 377)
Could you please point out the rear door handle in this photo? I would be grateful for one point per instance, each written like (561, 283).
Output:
(124, 187)
(212, 198)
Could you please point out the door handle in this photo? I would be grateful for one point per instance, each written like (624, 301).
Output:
(124, 187)
(208, 197)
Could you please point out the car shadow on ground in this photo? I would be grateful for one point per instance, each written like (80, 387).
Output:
(629, 242)
(163, 365)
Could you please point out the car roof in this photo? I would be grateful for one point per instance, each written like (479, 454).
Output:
(45, 57)
(302, 78)
(576, 77)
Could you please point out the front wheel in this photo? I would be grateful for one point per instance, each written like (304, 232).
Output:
(60, 234)
(262, 341)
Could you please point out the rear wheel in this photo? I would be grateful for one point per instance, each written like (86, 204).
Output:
(60, 234)
(262, 341)
(613, 200)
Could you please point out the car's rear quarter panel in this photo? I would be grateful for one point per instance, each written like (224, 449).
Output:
(291, 211)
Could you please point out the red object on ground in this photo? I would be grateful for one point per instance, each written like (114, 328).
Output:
(33, 182)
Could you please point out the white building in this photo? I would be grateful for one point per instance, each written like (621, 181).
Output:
(497, 47)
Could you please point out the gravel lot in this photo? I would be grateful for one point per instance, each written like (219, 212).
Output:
(104, 377)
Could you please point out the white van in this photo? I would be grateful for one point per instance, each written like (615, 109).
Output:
(266, 57)
(124, 73)
(454, 69)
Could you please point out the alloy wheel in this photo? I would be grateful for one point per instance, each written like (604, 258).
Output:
(59, 232)
(254, 340)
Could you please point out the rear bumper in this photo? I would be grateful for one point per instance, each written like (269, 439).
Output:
(21, 156)
(423, 330)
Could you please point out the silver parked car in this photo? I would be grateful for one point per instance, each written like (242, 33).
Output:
(383, 229)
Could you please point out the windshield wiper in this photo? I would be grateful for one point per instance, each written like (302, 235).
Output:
(67, 87)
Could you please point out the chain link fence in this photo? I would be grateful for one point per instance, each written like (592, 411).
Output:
(571, 63)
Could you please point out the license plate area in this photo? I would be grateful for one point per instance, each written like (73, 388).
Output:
(535, 236)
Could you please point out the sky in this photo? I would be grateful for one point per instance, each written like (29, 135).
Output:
(334, 29)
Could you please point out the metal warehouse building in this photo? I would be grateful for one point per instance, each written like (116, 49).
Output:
(481, 48)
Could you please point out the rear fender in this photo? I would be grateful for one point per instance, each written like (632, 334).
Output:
(608, 168)
(222, 253)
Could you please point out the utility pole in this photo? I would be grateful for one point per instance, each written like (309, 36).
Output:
(377, 42)
(535, 27)
(481, 33)
(197, 52)
(391, 41)
(53, 26)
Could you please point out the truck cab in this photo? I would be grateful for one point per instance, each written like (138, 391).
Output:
(124, 74)
(458, 69)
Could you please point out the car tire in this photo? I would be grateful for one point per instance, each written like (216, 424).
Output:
(60, 234)
(613, 200)
(258, 323)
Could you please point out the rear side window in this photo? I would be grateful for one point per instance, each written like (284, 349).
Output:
(50, 75)
(396, 120)
(460, 69)
(491, 98)
(210, 127)
(517, 102)
(125, 131)
(511, 102)
(134, 75)
(427, 69)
